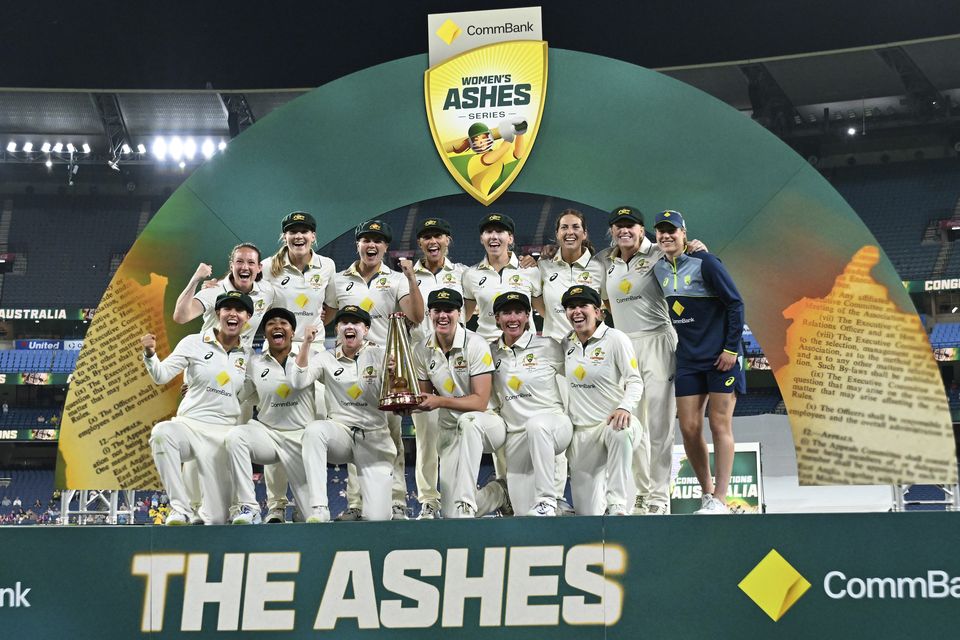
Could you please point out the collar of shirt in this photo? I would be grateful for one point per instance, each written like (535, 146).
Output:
(522, 342)
(421, 266)
(266, 356)
(340, 355)
(646, 248)
(597, 335)
(209, 337)
(514, 262)
(581, 262)
(353, 271)
(314, 261)
(228, 286)
(459, 339)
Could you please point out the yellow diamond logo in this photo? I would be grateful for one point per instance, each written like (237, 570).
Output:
(677, 308)
(448, 31)
(448, 385)
(774, 585)
(246, 326)
(514, 383)
(283, 391)
(633, 363)
(301, 300)
(625, 286)
(580, 372)
(366, 304)
(487, 359)
(223, 378)
(354, 392)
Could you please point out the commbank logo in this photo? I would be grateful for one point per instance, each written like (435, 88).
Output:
(774, 585)
(449, 31)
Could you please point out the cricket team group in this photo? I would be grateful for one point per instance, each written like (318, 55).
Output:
(580, 400)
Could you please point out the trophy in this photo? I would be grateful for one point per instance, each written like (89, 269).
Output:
(400, 391)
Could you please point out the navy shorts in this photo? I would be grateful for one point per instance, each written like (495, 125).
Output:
(697, 383)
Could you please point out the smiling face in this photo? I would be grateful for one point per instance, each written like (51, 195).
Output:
(434, 246)
(583, 316)
(279, 334)
(628, 235)
(351, 332)
(445, 321)
(244, 268)
(571, 233)
(299, 239)
(496, 241)
(512, 320)
(232, 317)
(673, 240)
(371, 249)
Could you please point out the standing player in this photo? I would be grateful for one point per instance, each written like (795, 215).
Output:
(380, 291)
(215, 371)
(303, 284)
(639, 310)
(454, 367)
(433, 271)
(274, 438)
(356, 430)
(604, 387)
(527, 367)
(707, 311)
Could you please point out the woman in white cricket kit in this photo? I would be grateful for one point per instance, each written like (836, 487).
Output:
(525, 383)
(380, 291)
(275, 436)
(356, 430)
(303, 283)
(433, 271)
(454, 367)
(605, 387)
(215, 368)
(639, 309)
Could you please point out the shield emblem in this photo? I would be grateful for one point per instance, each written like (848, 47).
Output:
(484, 107)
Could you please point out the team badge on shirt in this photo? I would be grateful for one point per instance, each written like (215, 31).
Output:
(383, 283)
(530, 360)
(369, 373)
(316, 281)
(585, 278)
(450, 279)
(641, 265)
(460, 364)
(240, 364)
(598, 355)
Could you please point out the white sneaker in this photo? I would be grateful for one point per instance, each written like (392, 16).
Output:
(318, 515)
(543, 509)
(657, 509)
(464, 510)
(176, 519)
(710, 506)
(277, 515)
(640, 506)
(398, 512)
(350, 515)
(615, 510)
(564, 508)
(429, 511)
(247, 515)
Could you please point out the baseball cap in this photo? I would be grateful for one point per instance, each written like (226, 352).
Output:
(280, 312)
(234, 299)
(512, 297)
(580, 293)
(625, 212)
(446, 298)
(298, 218)
(497, 219)
(673, 218)
(434, 225)
(374, 227)
(352, 311)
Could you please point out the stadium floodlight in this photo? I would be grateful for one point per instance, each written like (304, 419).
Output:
(125, 149)
(207, 148)
(141, 149)
(222, 145)
(49, 163)
(159, 148)
(57, 148)
(954, 310)
(851, 131)
(28, 146)
(70, 147)
(45, 147)
(182, 164)
(175, 147)
(86, 148)
(12, 147)
(190, 148)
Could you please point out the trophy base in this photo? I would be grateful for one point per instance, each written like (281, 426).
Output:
(398, 402)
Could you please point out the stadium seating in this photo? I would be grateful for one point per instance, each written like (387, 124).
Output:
(945, 334)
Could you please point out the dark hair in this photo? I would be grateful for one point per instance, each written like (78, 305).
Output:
(583, 222)
(233, 252)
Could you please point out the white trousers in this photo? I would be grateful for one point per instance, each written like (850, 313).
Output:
(657, 411)
(399, 493)
(180, 440)
(281, 450)
(460, 447)
(600, 464)
(532, 453)
(428, 460)
(373, 452)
